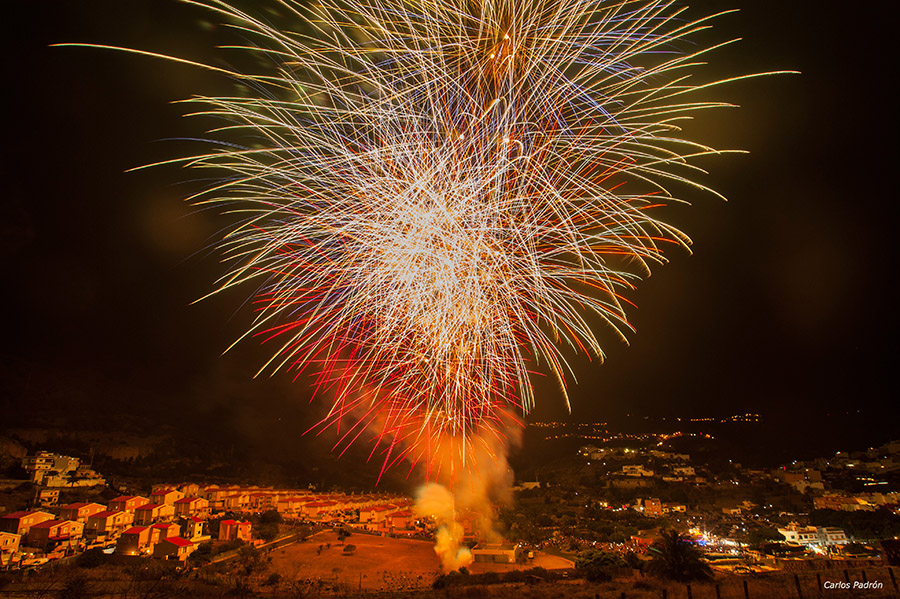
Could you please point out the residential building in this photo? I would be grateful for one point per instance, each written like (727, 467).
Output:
(127, 503)
(190, 490)
(636, 470)
(134, 541)
(829, 536)
(20, 522)
(166, 496)
(189, 506)
(402, 520)
(44, 462)
(236, 502)
(191, 528)
(173, 548)
(230, 530)
(79, 511)
(163, 530)
(149, 513)
(50, 533)
(48, 497)
(9, 544)
(802, 535)
(109, 524)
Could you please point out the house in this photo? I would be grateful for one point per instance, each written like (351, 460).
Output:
(190, 489)
(127, 503)
(149, 513)
(166, 496)
(191, 527)
(636, 470)
(290, 506)
(231, 530)
(163, 530)
(832, 536)
(173, 548)
(108, 523)
(134, 541)
(669, 508)
(79, 511)
(236, 501)
(44, 462)
(263, 501)
(318, 509)
(376, 514)
(188, 506)
(649, 507)
(9, 544)
(803, 535)
(48, 534)
(731, 511)
(20, 522)
(402, 520)
(48, 497)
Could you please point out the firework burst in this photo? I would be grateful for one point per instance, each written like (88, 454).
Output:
(442, 197)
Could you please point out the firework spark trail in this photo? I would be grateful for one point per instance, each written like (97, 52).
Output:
(436, 205)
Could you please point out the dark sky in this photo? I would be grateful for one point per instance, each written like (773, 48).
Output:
(787, 306)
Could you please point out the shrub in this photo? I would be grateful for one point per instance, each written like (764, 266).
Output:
(90, 559)
(514, 576)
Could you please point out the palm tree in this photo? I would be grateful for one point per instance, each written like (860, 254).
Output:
(675, 557)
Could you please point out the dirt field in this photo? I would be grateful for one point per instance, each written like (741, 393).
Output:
(379, 563)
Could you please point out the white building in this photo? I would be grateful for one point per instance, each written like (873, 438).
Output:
(636, 470)
(40, 464)
(832, 536)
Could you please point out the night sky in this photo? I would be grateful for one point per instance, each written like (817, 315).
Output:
(786, 307)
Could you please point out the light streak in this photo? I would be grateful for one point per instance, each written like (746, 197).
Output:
(443, 198)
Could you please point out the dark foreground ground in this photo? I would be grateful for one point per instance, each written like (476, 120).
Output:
(107, 582)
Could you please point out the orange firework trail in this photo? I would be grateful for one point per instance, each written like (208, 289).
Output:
(434, 202)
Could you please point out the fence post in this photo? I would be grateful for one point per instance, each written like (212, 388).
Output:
(893, 580)
(718, 591)
(864, 579)
(847, 576)
(797, 584)
(665, 594)
(819, 582)
(746, 591)
(689, 592)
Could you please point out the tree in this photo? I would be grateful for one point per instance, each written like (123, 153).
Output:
(349, 549)
(676, 558)
(762, 535)
(271, 517)
(598, 565)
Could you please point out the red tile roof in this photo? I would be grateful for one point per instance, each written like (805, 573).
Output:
(19, 514)
(149, 506)
(135, 530)
(105, 514)
(49, 523)
(74, 506)
(187, 499)
(179, 541)
(162, 525)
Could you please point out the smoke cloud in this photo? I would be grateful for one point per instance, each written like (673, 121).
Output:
(470, 486)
